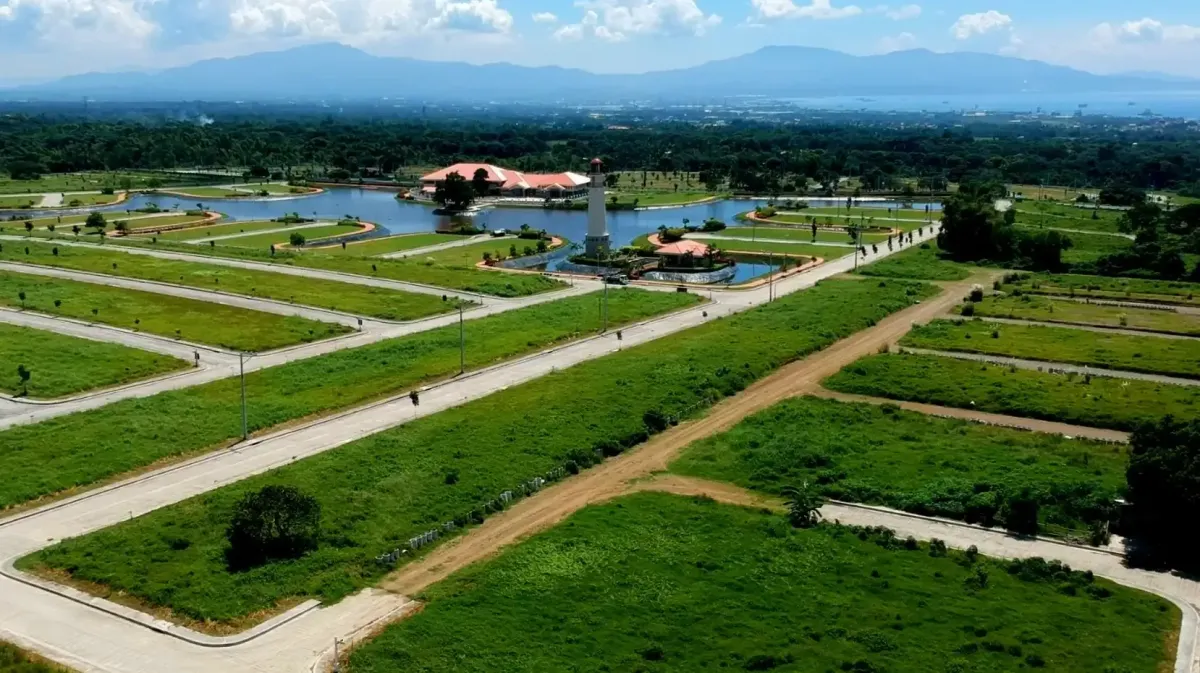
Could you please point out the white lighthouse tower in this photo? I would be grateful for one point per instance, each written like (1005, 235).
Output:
(596, 243)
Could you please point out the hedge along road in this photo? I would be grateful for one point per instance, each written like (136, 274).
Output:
(80, 633)
(250, 279)
(202, 322)
(390, 487)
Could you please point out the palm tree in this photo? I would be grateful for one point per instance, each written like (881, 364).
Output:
(803, 505)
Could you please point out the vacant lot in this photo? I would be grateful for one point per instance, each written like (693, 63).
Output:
(383, 489)
(173, 317)
(910, 461)
(348, 297)
(1156, 355)
(1089, 248)
(1062, 216)
(923, 262)
(1099, 402)
(79, 449)
(1117, 289)
(221, 229)
(1050, 309)
(386, 244)
(655, 582)
(62, 365)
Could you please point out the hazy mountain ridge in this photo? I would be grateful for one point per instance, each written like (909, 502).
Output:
(334, 71)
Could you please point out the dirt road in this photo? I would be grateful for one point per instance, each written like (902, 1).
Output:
(615, 476)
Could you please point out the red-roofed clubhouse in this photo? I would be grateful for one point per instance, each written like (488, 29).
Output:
(509, 183)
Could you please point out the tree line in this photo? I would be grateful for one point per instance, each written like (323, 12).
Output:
(748, 156)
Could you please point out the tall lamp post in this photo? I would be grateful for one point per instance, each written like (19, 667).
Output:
(242, 375)
(462, 342)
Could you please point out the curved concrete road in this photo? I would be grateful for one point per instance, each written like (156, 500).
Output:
(88, 633)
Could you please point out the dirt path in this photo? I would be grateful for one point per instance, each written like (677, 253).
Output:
(612, 478)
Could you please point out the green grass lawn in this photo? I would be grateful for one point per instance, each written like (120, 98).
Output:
(62, 365)
(830, 220)
(16, 660)
(209, 192)
(1051, 309)
(471, 254)
(828, 252)
(19, 201)
(1063, 216)
(79, 182)
(383, 489)
(1105, 287)
(657, 180)
(386, 244)
(883, 215)
(265, 241)
(136, 222)
(1156, 355)
(1101, 402)
(76, 200)
(656, 582)
(910, 461)
(274, 188)
(174, 317)
(1089, 248)
(797, 234)
(220, 229)
(349, 297)
(85, 447)
(922, 262)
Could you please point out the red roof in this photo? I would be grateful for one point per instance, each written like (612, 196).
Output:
(509, 179)
(696, 248)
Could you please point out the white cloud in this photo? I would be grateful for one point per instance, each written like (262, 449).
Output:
(121, 22)
(816, 9)
(969, 25)
(903, 13)
(357, 19)
(901, 42)
(545, 17)
(620, 20)
(1146, 30)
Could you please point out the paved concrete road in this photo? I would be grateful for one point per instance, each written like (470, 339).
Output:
(92, 639)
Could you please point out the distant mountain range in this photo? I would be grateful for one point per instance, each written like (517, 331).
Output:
(339, 72)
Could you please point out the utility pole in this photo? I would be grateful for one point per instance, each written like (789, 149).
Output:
(242, 374)
(337, 659)
(606, 272)
(770, 276)
(858, 246)
(462, 342)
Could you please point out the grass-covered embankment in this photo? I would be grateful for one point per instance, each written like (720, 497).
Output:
(1098, 401)
(910, 461)
(382, 490)
(655, 582)
(349, 297)
(173, 317)
(60, 365)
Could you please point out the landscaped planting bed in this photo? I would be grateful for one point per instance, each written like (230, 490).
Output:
(61, 365)
(348, 297)
(1051, 309)
(655, 582)
(82, 448)
(910, 461)
(173, 317)
(377, 492)
(1093, 401)
(1180, 357)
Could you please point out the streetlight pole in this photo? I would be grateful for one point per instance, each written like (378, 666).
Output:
(462, 342)
(770, 276)
(337, 659)
(242, 374)
(606, 272)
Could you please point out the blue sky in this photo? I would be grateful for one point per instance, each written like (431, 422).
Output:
(40, 39)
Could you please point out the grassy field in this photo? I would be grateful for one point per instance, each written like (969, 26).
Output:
(63, 365)
(644, 199)
(1104, 287)
(922, 262)
(156, 221)
(1100, 402)
(63, 223)
(80, 182)
(797, 234)
(19, 201)
(656, 582)
(658, 180)
(219, 229)
(471, 254)
(883, 215)
(274, 188)
(16, 660)
(209, 193)
(1089, 248)
(1050, 309)
(1156, 355)
(85, 447)
(910, 461)
(265, 241)
(903, 224)
(173, 317)
(1063, 216)
(349, 297)
(386, 244)
(174, 556)
(76, 200)
(829, 252)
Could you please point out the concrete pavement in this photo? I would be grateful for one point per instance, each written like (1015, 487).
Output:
(95, 640)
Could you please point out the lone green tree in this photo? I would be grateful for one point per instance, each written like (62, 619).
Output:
(296, 240)
(479, 182)
(274, 522)
(1164, 492)
(454, 192)
(803, 505)
(96, 221)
